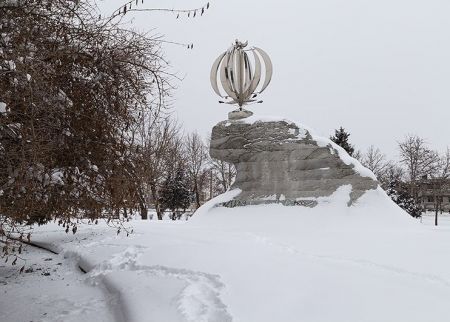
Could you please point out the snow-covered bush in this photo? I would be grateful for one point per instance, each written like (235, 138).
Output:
(73, 89)
(401, 197)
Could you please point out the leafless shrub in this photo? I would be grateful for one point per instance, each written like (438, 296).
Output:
(418, 159)
(72, 88)
(196, 159)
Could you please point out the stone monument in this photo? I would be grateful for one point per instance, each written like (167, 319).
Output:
(277, 161)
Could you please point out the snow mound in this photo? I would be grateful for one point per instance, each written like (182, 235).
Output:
(373, 209)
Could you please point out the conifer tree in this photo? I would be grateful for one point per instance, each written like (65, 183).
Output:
(403, 199)
(175, 193)
(341, 138)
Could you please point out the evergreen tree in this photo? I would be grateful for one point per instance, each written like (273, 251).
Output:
(175, 193)
(341, 138)
(403, 199)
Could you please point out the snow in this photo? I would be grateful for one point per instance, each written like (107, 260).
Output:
(345, 157)
(263, 118)
(11, 64)
(2, 107)
(52, 288)
(224, 197)
(57, 177)
(367, 262)
(270, 197)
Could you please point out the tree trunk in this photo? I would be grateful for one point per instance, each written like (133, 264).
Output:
(436, 208)
(436, 218)
(210, 184)
(159, 213)
(142, 205)
(144, 212)
(224, 182)
(197, 195)
(155, 199)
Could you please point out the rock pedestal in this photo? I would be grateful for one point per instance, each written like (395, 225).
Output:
(280, 162)
(239, 114)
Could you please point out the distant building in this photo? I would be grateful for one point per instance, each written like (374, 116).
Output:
(429, 189)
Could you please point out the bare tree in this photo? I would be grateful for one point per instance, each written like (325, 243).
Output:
(439, 181)
(392, 173)
(160, 145)
(196, 158)
(73, 86)
(358, 155)
(418, 159)
(225, 173)
(375, 161)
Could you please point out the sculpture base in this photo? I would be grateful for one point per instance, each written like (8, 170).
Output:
(239, 114)
(278, 161)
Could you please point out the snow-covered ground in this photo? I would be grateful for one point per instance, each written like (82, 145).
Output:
(443, 220)
(368, 262)
(51, 288)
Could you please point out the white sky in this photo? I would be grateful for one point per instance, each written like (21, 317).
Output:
(381, 69)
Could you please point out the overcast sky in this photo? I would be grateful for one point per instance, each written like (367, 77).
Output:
(381, 69)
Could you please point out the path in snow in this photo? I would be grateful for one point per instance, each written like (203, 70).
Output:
(144, 292)
(52, 288)
(161, 293)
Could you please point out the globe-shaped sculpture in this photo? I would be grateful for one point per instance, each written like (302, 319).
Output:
(239, 75)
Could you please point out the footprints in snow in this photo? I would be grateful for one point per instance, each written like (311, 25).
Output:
(358, 262)
(199, 299)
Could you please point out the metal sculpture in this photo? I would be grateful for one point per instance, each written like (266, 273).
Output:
(241, 82)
